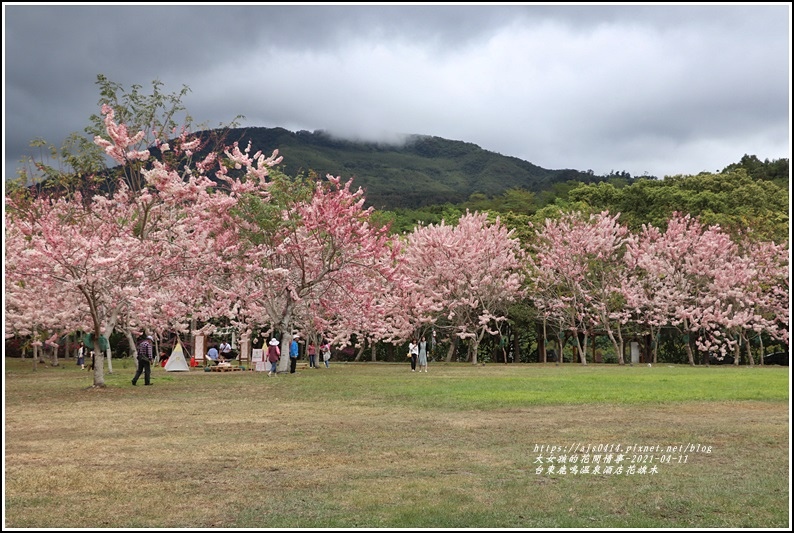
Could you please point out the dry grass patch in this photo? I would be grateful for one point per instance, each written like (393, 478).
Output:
(332, 449)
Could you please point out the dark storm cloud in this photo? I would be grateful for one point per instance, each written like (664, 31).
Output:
(661, 89)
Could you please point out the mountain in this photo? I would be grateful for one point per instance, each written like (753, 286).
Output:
(423, 171)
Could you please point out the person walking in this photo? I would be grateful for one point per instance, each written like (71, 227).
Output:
(311, 351)
(145, 360)
(273, 353)
(413, 349)
(422, 354)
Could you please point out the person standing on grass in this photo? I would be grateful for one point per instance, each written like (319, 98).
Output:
(273, 353)
(326, 350)
(81, 356)
(422, 354)
(293, 354)
(311, 351)
(145, 360)
(413, 349)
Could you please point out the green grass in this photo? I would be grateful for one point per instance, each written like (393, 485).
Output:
(375, 445)
(500, 386)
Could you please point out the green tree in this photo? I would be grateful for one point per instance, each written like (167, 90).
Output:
(776, 170)
(733, 200)
(81, 165)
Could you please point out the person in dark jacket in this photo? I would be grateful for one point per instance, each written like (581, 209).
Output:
(273, 354)
(145, 360)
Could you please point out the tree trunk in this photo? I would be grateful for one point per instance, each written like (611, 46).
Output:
(99, 361)
(110, 325)
(750, 360)
(688, 344)
(110, 358)
(761, 358)
(618, 346)
(99, 357)
(560, 344)
(54, 357)
(374, 352)
(360, 350)
(286, 338)
(133, 348)
(453, 347)
(475, 347)
(286, 332)
(35, 350)
(621, 342)
(690, 355)
(655, 343)
(191, 334)
(737, 352)
(542, 342)
(579, 350)
(516, 349)
(283, 362)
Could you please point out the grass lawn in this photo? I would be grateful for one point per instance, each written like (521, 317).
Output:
(373, 445)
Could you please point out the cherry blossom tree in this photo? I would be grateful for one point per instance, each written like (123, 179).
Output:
(82, 248)
(25, 316)
(222, 237)
(753, 294)
(302, 260)
(462, 278)
(562, 257)
(772, 287)
(656, 283)
(119, 250)
(693, 278)
(606, 281)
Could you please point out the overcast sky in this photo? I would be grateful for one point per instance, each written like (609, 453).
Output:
(647, 89)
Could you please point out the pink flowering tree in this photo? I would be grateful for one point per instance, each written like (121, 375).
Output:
(751, 296)
(89, 249)
(657, 282)
(606, 281)
(60, 253)
(665, 267)
(26, 312)
(461, 279)
(578, 276)
(694, 279)
(771, 286)
(131, 254)
(305, 259)
(372, 317)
